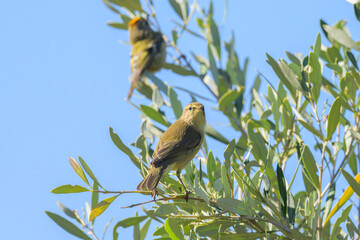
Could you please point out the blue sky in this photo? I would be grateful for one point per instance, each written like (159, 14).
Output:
(64, 76)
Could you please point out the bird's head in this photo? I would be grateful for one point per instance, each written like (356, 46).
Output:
(194, 114)
(139, 29)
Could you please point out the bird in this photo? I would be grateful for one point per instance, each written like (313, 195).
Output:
(148, 50)
(177, 147)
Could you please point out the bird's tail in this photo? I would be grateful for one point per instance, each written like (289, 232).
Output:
(135, 78)
(151, 180)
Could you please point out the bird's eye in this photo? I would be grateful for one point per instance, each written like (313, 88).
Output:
(190, 108)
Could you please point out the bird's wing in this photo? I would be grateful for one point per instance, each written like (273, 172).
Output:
(142, 54)
(167, 152)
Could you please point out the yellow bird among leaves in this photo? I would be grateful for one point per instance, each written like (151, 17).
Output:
(177, 147)
(148, 51)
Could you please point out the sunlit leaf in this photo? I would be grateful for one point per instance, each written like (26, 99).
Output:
(79, 171)
(101, 207)
(173, 229)
(317, 45)
(352, 182)
(227, 100)
(343, 199)
(69, 189)
(342, 37)
(66, 210)
(154, 115)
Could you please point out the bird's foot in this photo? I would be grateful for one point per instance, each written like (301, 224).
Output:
(187, 193)
(153, 194)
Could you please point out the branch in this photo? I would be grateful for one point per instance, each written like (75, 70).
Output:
(167, 199)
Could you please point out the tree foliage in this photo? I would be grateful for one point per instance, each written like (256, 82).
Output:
(244, 193)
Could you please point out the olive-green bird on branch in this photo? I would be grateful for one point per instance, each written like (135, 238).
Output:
(177, 147)
(148, 50)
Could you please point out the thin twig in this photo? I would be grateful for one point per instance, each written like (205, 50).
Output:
(167, 199)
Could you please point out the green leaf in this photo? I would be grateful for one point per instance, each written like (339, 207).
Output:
(225, 179)
(233, 205)
(357, 11)
(66, 210)
(79, 171)
(317, 45)
(342, 37)
(118, 25)
(88, 171)
(213, 67)
(67, 226)
(333, 118)
(157, 81)
(210, 131)
(154, 115)
(101, 207)
(336, 228)
(310, 166)
(173, 229)
(258, 150)
(94, 196)
(343, 199)
(329, 201)
(280, 74)
(131, 221)
(315, 76)
(69, 189)
(144, 229)
(179, 69)
(352, 182)
(210, 164)
(352, 59)
(117, 141)
(227, 100)
(131, 5)
(293, 58)
(229, 150)
(291, 76)
(215, 38)
(175, 103)
(166, 209)
(282, 190)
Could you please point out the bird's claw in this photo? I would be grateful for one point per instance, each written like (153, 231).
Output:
(153, 194)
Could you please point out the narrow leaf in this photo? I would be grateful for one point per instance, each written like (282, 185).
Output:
(101, 207)
(343, 199)
(310, 166)
(67, 226)
(352, 182)
(117, 141)
(88, 171)
(342, 37)
(175, 103)
(79, 171)
(154, 115)
(333, 118)
(173, 229)
(69, 189)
